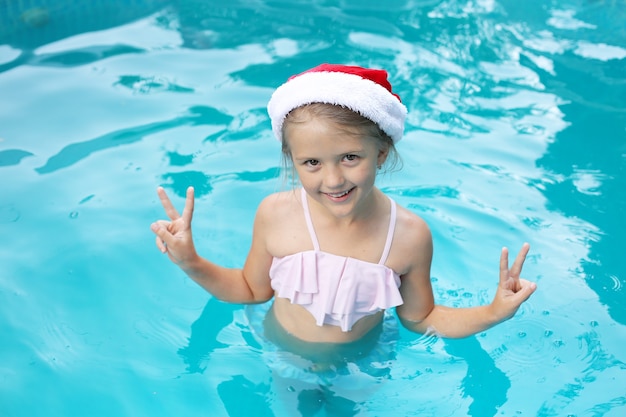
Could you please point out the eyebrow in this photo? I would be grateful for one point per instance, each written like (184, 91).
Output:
(353, 152)
(350, 152)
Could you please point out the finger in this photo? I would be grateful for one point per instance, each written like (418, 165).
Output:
(516, 269)
(504, 265)
(164, 224)
(161, 245)
(163, 235)
(189, 203)
(170, 211)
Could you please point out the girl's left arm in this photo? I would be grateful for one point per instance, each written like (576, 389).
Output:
(420, 314)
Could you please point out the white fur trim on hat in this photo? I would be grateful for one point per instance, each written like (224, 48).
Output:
(358, 94)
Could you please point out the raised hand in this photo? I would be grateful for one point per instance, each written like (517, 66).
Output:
(173, 236)
(512, 290)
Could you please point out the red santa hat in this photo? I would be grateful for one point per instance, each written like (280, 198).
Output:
(363, 90)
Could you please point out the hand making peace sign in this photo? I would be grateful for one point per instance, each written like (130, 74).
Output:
(174, 236)
(512, 290)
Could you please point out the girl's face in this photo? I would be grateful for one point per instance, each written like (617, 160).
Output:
(336, 166)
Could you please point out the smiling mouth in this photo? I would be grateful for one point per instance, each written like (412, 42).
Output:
(341, 194)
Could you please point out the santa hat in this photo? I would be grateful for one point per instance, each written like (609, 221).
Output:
(362, 90)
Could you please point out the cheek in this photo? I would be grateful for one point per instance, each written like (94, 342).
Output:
(299, 169)
(365, 173)
(305, 177)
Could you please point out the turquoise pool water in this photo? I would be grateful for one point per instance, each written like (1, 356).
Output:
(516, 132)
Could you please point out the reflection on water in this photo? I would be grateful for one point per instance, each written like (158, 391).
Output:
(590, 156)
(75, 152)
(203, 338)
(203, 184)
(485, 383)
(517, 129)
(27, 24)
(598, 363)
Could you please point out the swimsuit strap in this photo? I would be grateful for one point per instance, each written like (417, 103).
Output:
(392, 228)
(316, 245)
(309, 222)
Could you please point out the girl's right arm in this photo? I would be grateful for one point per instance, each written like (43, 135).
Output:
(248, 285)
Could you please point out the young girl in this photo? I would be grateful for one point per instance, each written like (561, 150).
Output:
(337, 253)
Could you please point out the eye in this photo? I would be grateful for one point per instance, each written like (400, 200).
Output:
(351, 157)
(312, 162)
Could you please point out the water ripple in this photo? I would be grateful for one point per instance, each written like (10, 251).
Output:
(10, 157)
(75, 152)
(532, 343)
(9, 214)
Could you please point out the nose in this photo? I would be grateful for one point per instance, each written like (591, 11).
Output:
(333, 177)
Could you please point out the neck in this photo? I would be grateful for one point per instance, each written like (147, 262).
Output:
(373, 205)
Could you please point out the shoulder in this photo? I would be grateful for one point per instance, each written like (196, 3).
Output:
(278, 207)
(281, 224)
(412, 241)
(412, 227)
(281, 202)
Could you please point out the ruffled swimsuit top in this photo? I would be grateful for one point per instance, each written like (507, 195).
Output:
(336, 290)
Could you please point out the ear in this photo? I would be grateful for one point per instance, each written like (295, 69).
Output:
(382, 155)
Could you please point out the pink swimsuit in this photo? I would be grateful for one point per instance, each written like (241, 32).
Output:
(335, 289)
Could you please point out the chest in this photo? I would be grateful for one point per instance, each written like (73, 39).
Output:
(365, 243)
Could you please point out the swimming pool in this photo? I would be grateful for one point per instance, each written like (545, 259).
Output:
(516, 132)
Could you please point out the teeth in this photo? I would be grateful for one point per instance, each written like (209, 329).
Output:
(339, 194)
